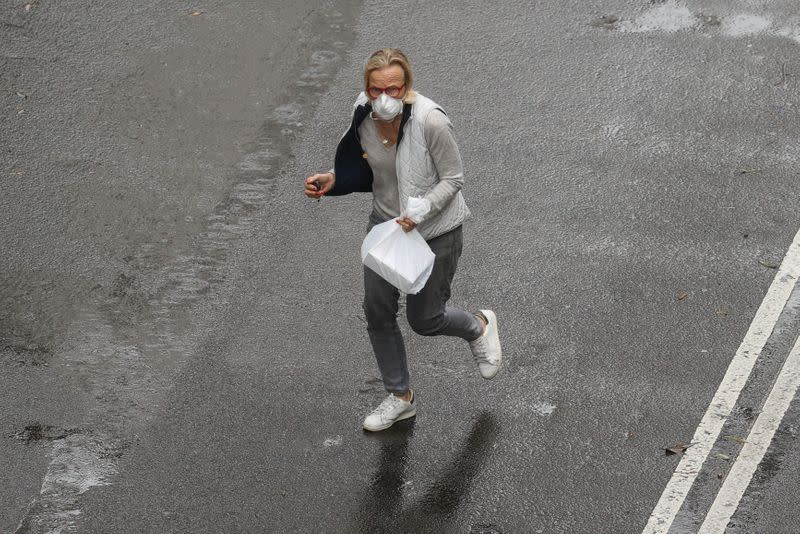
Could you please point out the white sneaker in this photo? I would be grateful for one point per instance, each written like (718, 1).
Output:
(486, 349)
(391, 410)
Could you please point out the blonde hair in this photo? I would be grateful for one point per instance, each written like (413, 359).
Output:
(386, 57)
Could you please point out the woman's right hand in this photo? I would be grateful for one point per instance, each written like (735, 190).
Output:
(325, 181)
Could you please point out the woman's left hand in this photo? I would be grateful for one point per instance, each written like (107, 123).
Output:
(406, 223)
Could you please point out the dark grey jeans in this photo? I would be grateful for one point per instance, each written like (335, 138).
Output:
(427, 311)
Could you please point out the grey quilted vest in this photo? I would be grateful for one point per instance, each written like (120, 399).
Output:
(416, 172)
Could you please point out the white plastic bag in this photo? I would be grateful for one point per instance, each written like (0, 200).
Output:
(401, 258)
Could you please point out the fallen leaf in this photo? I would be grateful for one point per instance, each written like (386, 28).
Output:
(769, 264)
(678, 448)
(682, 295)
(196, 13)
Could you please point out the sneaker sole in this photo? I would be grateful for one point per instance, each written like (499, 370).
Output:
(401, 418)
(494, 374)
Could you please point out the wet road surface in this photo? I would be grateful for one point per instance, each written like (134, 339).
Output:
(182, 338)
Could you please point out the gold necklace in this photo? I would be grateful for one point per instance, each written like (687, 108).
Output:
(384, 139)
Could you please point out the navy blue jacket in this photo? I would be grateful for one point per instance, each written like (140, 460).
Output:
(352, 171)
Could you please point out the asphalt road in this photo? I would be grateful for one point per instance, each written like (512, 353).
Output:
(181, 332)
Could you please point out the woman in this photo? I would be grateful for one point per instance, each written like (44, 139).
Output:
(400, 145)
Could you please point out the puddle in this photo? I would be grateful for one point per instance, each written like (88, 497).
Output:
(792, 33)
(79, 462)
(668, 17)
(544, 408)
(740, 25)
(335, 441)
(289, 114)
(672, 17)
(191, 275)
(317, 73)
(257, 161)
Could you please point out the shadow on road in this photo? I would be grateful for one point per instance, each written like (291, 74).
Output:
(382, 508)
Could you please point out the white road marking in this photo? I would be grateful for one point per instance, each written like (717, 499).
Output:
(756, 445)
(728, 392)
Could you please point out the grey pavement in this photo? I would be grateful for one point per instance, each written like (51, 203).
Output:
(181, 330)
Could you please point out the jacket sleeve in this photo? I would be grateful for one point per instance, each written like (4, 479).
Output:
(446, 157)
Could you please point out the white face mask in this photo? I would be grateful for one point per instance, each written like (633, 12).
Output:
(386, 108)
